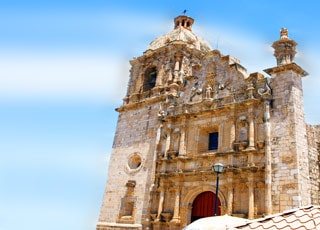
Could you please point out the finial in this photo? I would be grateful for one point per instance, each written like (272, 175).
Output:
(284, 33)
(184, 12)
(284, 48)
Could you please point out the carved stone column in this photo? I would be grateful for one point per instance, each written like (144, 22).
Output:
(230, 195)
(182, 147)
(230, 159)
(251, 133)
(158, 140)
(158, 136)
(259, 203)
(268, 196)
(177, 65)
(176, 214)
(189, 213)
(160, 74)
(168, 142)
(250, 185)
(232, 133)
(160, 206)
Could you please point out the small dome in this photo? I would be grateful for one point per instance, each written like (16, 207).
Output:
(181, 33)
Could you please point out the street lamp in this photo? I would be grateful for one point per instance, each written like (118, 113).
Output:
(217, 168)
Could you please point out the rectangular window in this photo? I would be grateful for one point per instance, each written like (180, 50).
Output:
(213, 141)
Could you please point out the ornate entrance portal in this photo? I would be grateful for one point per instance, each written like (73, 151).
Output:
(203, 206)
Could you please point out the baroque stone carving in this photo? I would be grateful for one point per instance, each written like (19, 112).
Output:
(265, 91)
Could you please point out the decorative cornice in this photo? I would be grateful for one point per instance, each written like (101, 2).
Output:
(284, 68)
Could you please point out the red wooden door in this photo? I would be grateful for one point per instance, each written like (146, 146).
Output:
(203, 206)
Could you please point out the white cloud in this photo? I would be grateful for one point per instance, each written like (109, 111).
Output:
(254, 53)
(92, 77)
(99, 75)
(105, 76)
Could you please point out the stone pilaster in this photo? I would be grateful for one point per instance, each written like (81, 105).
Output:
(182, 145)
(176, 214)
(168, 142)
(251, 208)
(230, 199)
(160, 206)
(268, 158)
(251, 133)
(232, 133)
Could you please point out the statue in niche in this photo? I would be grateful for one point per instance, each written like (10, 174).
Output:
(161, 145)
(174, 144)
(209, 92)
(243, 134)
(164, 135)
(260, 132)
(242, 140)
(186, 69)
(195, 90)
(177, 68)
(167, 73)
(173, 95)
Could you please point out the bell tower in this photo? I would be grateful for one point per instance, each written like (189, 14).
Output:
(289, 147)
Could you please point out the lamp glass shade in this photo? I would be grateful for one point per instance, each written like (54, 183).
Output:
(218, 168)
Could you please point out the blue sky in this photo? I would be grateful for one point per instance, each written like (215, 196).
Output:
(64, 69)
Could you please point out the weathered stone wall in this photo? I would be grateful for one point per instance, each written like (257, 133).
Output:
(288, 144)
(313, 132)
(167, 129)
(132, 159)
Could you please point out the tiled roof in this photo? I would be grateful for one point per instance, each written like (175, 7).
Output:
(301, 218)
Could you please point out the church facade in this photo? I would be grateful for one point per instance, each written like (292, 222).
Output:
(188, 107)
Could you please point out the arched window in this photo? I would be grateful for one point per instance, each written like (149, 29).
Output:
(150, 78)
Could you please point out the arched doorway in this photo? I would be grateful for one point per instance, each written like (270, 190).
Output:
(203, 206)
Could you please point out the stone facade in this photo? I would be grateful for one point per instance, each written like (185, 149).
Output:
(188, 107)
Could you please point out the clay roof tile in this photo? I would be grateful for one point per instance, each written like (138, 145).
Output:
(304, 218)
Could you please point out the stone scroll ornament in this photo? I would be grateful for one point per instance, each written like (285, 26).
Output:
(265, 91)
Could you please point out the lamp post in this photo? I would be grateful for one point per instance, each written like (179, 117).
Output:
(217, 168)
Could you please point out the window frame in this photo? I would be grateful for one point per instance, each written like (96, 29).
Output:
(213, 141)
